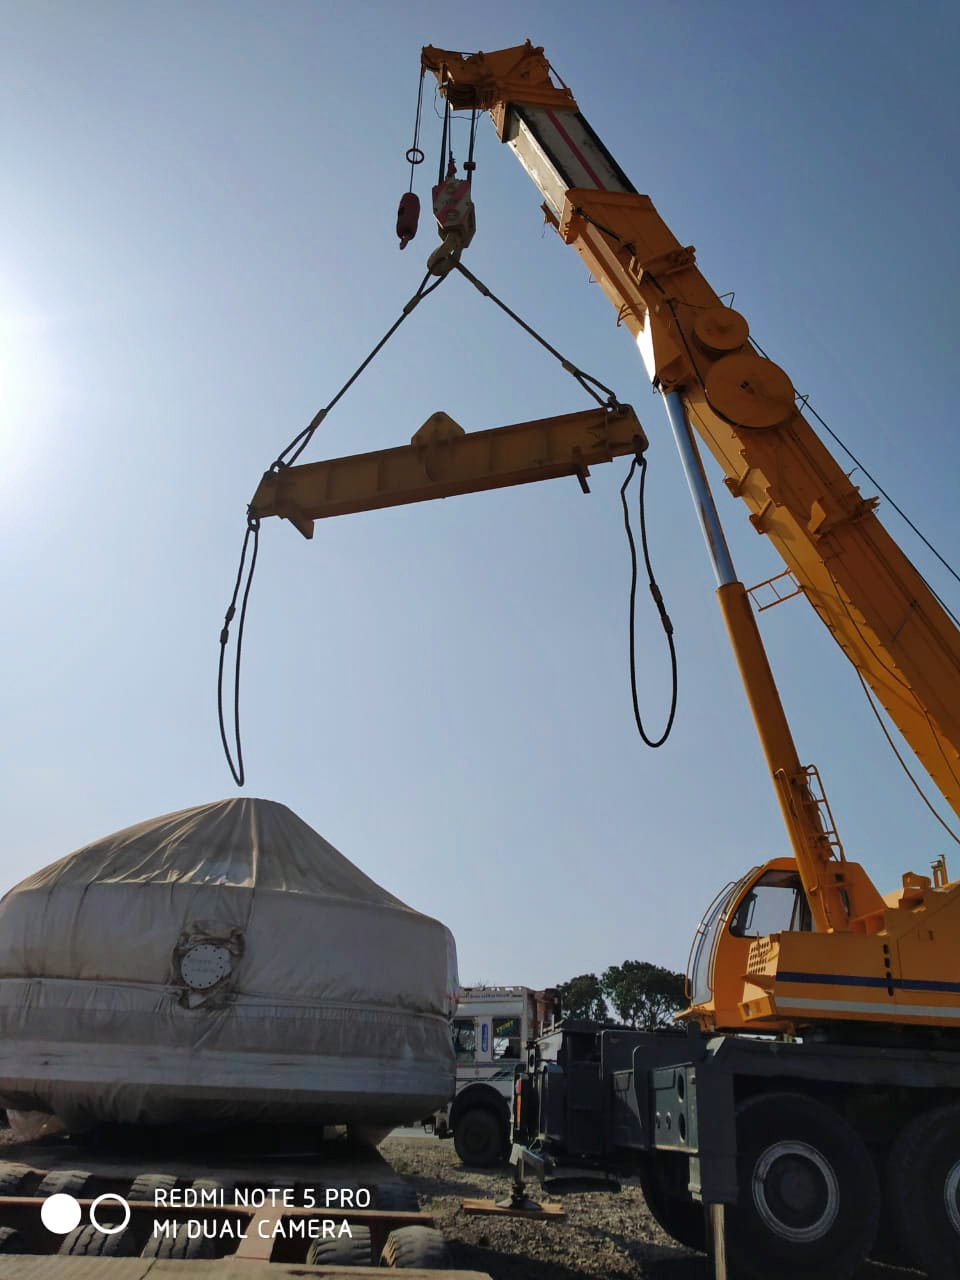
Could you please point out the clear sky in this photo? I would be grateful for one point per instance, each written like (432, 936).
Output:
(197, 204)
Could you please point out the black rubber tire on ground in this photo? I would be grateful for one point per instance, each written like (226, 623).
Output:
(355, 1250)
(146, 1185)
(479, 1138)
(88, 1242)
(923, 1192)
(422, 1247)
(808, 1194)
(12, 1177)
(682, 1220)
(179, 1245)
(71, 1181)
(398, 1196)
(11, 1241)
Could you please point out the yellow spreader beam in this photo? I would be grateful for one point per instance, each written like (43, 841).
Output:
(443, 460)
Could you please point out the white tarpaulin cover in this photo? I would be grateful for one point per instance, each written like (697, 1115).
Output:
(223, 963)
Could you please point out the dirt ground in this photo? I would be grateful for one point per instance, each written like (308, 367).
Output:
(609, 1235)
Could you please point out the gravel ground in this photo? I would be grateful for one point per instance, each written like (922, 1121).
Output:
(603, 1235)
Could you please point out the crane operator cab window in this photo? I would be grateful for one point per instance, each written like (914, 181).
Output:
(464, 1039)
(775, 904)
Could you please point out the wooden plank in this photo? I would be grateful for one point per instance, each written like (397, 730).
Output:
(56, 1268)
(493, 1209)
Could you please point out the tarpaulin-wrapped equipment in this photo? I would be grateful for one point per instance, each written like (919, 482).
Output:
(221, 964)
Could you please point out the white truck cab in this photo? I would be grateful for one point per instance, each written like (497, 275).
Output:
(491, 1028)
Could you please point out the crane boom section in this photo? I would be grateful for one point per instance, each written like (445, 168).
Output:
(743, 406)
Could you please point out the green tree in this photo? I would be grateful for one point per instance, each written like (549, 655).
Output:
(644, 995)
(582, 997)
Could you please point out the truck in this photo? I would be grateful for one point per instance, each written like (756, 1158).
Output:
(492, 1029)
(810, 1113)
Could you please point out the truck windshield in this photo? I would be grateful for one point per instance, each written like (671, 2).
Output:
(775, 904)
(464, 1039)
(700, 963)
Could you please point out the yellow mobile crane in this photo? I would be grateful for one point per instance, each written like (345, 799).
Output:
(852, 997)
(844, 951)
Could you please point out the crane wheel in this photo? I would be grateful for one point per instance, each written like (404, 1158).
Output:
(421, 1247)
(808, 1197)
(680, 1217)
(354, 1250)
(923, 1191)
(478, 1138)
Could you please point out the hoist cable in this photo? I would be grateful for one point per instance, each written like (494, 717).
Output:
(585, 379)
(293, 449)
(641, 461)
(443, 140)
(903, 764)
(253, 529)
(300, 442)
(414, 154)
(470, 165)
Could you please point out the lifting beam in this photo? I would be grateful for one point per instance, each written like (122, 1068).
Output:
(443, 460)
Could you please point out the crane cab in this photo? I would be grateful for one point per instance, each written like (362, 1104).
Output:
(757, 963)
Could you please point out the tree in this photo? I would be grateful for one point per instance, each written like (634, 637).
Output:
(582, 997)
(644, 995)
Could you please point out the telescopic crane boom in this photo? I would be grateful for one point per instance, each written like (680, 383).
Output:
(742, 406)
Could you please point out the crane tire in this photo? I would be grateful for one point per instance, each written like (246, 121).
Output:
(682, 1219)
(88, 1242)
(422, 1247)
(478, 1138)
(354, 1250)
(808, 1197)
(180, 1245)
(923, 1191)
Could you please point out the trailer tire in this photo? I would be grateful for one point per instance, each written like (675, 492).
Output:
(11, 1241)
(58, 1181)
(146, 1185)
(12, 1178)
(225, 1191)
(479, 1138)
(422, 1247)
(180, 1245)
(923, 1188)
(88, 1242)
(355, 1250)
(683, 1220)
(808, 1193)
